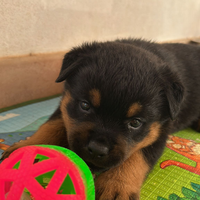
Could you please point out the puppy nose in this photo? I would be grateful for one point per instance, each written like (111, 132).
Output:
(97, 149)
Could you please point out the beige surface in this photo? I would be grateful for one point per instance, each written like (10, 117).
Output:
(27, 78)
(43, 26)
(31, 77)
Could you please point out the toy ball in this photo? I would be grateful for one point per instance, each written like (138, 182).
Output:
(45, 172)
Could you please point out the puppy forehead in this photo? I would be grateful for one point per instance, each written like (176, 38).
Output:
(99, 97)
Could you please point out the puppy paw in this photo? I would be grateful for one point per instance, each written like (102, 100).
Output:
(12, 148)
(114, 189)
(8, 151)
(117, 196)
(115, 193)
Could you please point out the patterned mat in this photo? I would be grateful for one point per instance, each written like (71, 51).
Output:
(176, 175)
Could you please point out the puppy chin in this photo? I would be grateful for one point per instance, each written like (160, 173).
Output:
(95, 163)
(102, 166)
(96, 169)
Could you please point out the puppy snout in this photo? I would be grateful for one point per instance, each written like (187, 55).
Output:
(97, 149)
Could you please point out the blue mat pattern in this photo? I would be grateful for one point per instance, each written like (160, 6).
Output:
(19, 123)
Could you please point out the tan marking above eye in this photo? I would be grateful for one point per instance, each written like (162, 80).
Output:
(95, 97)
(134, 109)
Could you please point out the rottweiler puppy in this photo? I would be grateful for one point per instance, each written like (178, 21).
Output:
(121, 100)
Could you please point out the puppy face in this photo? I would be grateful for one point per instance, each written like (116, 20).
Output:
(115, 102)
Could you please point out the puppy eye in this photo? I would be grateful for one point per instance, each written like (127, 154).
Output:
(85, 105)
(136, 123)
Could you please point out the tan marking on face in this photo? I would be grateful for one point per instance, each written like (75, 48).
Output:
(95, 97)
(126, 179)
(63, 107)
(74, 130)
(150, 138)
(134, 109)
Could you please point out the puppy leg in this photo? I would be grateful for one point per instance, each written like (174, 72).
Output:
(123, 182)
(52, 132)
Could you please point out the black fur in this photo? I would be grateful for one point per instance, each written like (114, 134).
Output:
(163, 78)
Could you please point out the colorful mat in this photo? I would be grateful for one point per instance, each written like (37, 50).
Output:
(176, 176)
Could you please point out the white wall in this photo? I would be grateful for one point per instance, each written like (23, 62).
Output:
(43, 26)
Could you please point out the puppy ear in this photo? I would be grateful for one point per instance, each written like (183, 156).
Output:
(175, 94)
(70, 65)
(174, 91)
